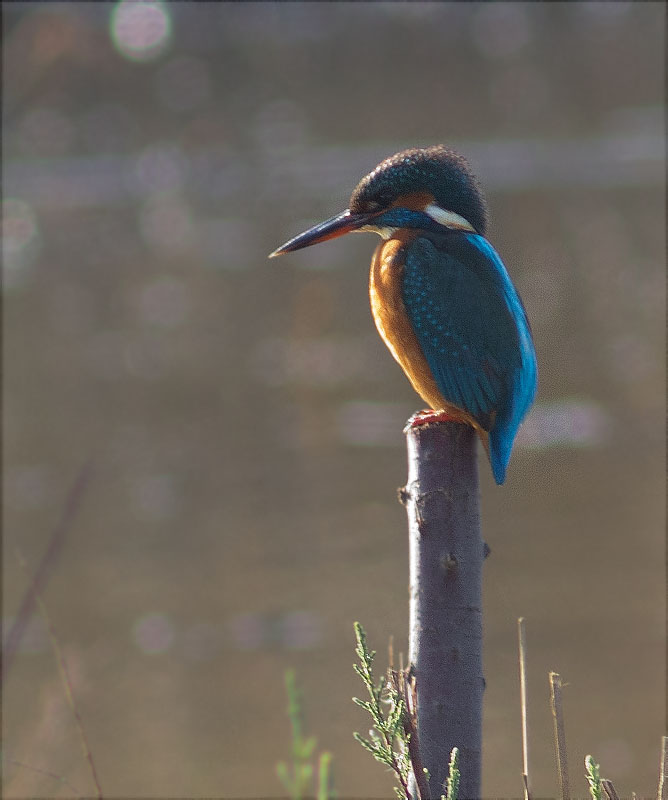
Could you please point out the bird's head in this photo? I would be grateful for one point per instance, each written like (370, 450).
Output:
(430, 188)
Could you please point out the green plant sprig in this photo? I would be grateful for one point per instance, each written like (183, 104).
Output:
(452, 785)
(593, 775)
(388, 741)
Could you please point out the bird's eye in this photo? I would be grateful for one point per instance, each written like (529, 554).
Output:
(379, 202)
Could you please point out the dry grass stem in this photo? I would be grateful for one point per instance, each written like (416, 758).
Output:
(65, 679)
(521, 634)
(406, 688)
(609, 789)
(662, 791)
(74, 791)
(41, 576)
(559, 734)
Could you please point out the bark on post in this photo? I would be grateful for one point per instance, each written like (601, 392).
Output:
(445, 639)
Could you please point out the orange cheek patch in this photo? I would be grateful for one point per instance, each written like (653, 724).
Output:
(415, 201)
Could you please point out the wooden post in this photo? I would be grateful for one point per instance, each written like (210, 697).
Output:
(445, 638)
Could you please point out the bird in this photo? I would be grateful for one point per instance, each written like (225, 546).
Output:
(441, 297)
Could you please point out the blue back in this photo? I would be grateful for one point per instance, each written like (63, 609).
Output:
(473, 330)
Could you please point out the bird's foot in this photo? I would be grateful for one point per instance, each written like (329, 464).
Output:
(429, 416)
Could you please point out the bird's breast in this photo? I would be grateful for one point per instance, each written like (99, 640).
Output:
(394, 326)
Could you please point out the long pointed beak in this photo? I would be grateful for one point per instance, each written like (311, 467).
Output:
(330, 229)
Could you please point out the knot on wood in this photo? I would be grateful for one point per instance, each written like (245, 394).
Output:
(449, 563)
(403, 495)
(486, 549)
(431, 506)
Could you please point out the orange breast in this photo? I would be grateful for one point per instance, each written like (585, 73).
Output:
(392, 321)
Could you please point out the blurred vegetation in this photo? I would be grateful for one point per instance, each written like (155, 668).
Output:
(304, 776)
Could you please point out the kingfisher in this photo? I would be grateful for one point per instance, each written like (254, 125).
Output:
(441, 297)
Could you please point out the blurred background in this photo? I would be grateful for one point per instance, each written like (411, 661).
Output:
(244, 419)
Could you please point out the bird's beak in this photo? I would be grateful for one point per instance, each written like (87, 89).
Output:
(330, 229)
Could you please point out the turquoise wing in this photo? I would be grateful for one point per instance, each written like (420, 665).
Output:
(474, 333)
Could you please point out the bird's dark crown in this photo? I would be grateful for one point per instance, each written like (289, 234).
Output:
(435, 170)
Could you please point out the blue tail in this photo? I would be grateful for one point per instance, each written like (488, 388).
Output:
(501, 439)
(502, 435)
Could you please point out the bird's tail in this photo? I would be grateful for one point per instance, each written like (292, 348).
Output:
(499, 448)
(498, 465)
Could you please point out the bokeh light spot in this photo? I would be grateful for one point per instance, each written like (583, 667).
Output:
(18, 225)
(164, 303)
(160, 168)
(302, 630)
(166, 225)
(568, 422)
(153, 633)
(140, 29)
(20, 240)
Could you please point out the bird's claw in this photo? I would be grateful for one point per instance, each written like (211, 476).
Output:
(427, 417)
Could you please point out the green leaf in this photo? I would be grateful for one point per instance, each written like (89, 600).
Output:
(372, 747)
(297, 777)
(452, 785)
(377, 750)
(283, 775)
(390, 726)
(593, 774)
(324, 776)
(304, 748)
(395, 716)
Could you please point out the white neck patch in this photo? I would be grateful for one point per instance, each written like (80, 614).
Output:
(448, 218)
(383, 232)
